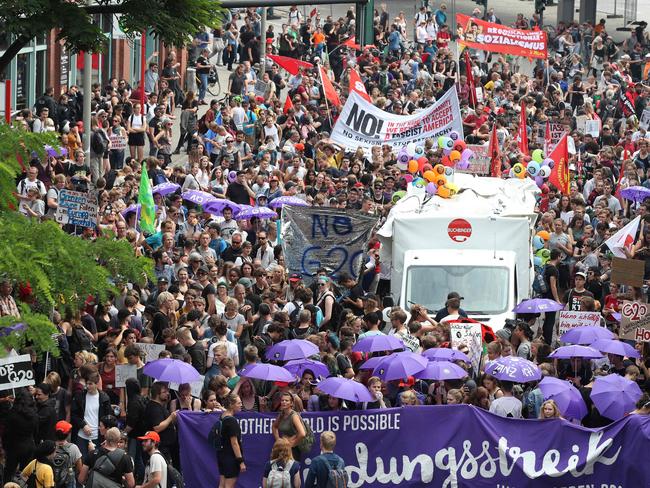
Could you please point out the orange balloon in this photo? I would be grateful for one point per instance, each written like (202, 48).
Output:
(446, 161)
(439, 168)
(440, 181)
(454, 156)
(430, 176)
(444, 192)
(544, 234)
(460, 146)
(413, 166)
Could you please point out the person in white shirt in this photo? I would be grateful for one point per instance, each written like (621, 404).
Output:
(24, 185)
(155, 474)
(507, 405)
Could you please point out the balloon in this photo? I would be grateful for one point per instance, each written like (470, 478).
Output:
(446, 161)
(398, 195)
(544, 254)
(537, 261)
(453, 135)
(538, 243)
(419, 151)
(449, 143)
(538, 155)
(454, 156)
(544, 172)
(511, 173)
(427, 167)
(519, 170)
(539, 181)
(447, 151)
(431, 189)
(441, 180)
(463, 164)
(408, 177)
(551, 164)
(421, 162)
(460, 146)
(413, 166)
(449, 172)
(232, 176)
(441, 141)
(533, 168)
(466, 154)
(439, 168)
(444, 192)
(419, 182)
(453, 188)
(403, 160)
(544, 234)
(410, 149)
(429, 175)
(548, 162)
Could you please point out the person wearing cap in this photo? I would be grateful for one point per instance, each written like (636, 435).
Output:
(62, 431)
(353, 298)
(452, 306)
(122, 475)
(572, 297)
(155, 474)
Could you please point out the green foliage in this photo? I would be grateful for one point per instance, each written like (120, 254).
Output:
(37, 334)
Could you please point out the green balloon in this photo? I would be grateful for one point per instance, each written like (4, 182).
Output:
(538, 155)
(398, 195)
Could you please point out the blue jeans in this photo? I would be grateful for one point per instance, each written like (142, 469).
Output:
(82, 444)
(204, 85)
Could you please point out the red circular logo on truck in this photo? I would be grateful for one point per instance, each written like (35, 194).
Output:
(459, 230)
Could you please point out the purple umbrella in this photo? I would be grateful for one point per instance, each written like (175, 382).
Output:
(565, 395)
(372, 362)
(5, 331)
(134, 208)
(248, 212)
(445, 354)
(573, 351)
(216, 206)
(165, 188)
(513, 368)
(288, 200)
(538, 305)
(345, 389)
(616, 347)
(635, 193)
(299, 366)
(55, 152)
(267, 372)
(440, 371)
(614, 395)
(197, 196)
(586, 335)
(378, 343)
(171, 370)
(400, 365)
(291, 349)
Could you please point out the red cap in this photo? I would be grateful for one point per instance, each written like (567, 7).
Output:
(63, 427)
(151, 435)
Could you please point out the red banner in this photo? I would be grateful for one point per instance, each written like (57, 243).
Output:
(560, 172)
(477, 34)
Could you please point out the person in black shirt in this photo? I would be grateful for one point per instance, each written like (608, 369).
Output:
(123, 473)
(238, 191)
(230, 456)
(352, 300)
(165, 304)
(551, 277)
(158, 419)
(202, 71)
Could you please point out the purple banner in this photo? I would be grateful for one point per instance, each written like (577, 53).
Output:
(444, 446)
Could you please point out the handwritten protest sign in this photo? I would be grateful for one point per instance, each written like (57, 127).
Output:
(123, 372)
(76, 208)
(16, 371)
(151, 351)
(644, 122)
(470, 335)
(195, 386)
(635, 321)
(315, 237)
(118, 142)
(570, 320)
(479, 163)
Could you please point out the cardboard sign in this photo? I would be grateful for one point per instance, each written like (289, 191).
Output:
(627, 271)
(123, 372)
(118, 142)
(570, 320)
(470, 335)
(581, 123)
(592, 127)
(261, 88)
(196, 387)
(151, 351)
(479, 163)
(76, 208)
(644, 122)
(635, 321)
(16, 371)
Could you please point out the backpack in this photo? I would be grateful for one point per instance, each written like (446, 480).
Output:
(337, 477)
(97, 143)
(293, 316)
(79, 341)
(540, 286)
(308, 441)
(214, 436)
(61, 466)
(104, 467)
(174, 477)
(279, 476)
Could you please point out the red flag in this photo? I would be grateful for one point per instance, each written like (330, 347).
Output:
(547, 138)
(356, 85)
(290, 64)
(560, 172)
(470, 80)
(495, 154)
(313, 12)
(328, 88)
(287, 105)
(351, 43)
(523, 130)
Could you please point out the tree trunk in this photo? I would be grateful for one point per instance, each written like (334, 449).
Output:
(5, 60)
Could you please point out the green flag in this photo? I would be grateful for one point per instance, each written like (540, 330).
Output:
(147, 208)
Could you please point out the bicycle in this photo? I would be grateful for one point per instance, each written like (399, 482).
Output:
(214, 86)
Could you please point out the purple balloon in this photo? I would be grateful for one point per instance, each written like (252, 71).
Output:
(551, 164)
(463, 164)
(431, 189)
(466, 154)
(454, 135)
(539, 181)
(547, 162)
(447, 151)
(232, 176)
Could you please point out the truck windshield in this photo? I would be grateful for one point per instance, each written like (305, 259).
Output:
(485, 289)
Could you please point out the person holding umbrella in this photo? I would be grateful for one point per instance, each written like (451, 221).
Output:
(289, 425)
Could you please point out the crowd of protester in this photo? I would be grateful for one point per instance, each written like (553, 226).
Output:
(222, 294)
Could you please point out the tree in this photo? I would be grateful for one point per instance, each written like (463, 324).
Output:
(173, 21)
(52, 268)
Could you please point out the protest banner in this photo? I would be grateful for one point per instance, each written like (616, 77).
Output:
(570, 320)
(361, 124)
(478, 34)
(451, 446)
(315, 237)
(118, 142)
(644, 122)
(123, 372)
(627, 271)
(16, 371)
(151, 351)
(470, 334)
(635, 321)
(195, 386)
(479, 163)
(557, 130)
(76, 208)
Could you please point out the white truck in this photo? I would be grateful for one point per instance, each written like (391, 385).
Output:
(478, 243)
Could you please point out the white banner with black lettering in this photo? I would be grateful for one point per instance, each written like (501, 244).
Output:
(361, 124)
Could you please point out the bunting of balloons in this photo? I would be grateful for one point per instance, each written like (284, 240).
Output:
(435, 179)
(538, 168)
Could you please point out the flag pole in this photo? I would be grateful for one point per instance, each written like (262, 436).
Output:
(327, 105)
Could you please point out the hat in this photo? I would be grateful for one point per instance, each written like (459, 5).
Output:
(63, 427)
(295, 277)
(582, 274)
(222, 282)
(289, 185)
(162, 279)
(504, 334)
(370, 296)
(246, 282)
(299, 147)
(151, 435)
(203, 269)
(454, 294)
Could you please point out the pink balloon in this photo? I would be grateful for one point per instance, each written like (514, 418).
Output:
(463, 164)
(408, 177)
